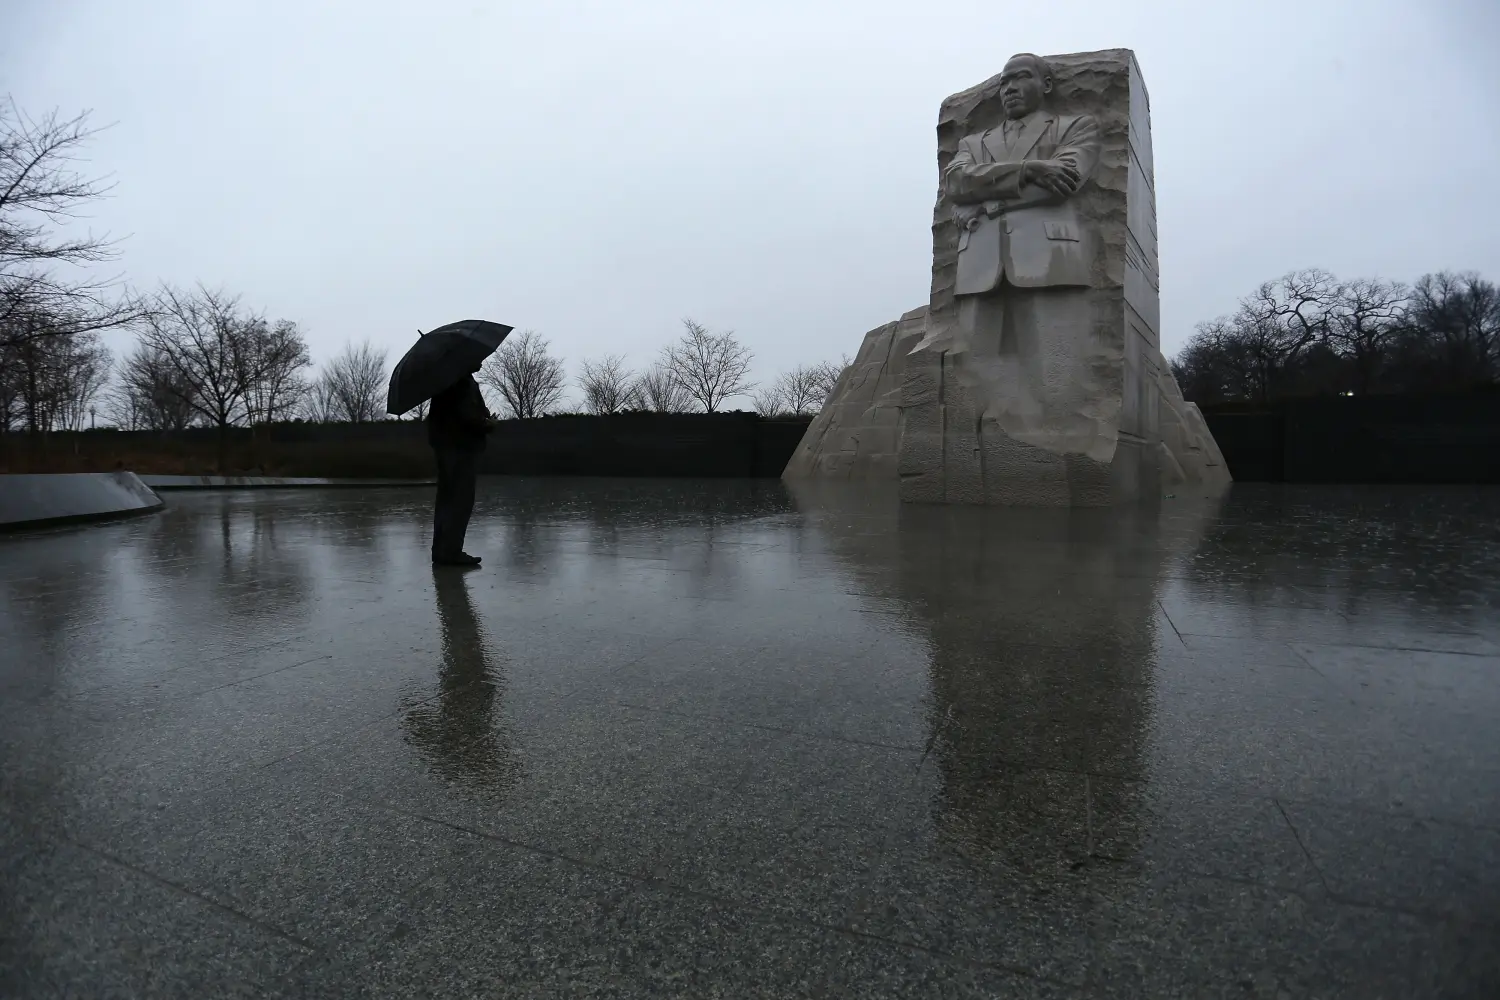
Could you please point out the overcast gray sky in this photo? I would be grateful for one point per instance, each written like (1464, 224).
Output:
(598, 170)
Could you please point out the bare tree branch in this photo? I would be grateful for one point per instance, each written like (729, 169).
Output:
(51, 383)
(806, 388)
(1453, 328)
(826, 376)
(659, 392)
(41, 268)
(710, 367)
(353, 385)
(528, 378)
(608, 386)
(770, 401)
(143, 399)
(229, 366)
(276, 355)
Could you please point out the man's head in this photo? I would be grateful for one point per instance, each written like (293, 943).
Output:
(1024, 84)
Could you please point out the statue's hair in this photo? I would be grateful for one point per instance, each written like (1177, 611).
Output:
(1042, 66)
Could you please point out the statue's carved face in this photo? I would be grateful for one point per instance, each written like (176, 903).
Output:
(1022, 87)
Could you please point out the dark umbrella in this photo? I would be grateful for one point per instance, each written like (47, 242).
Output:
(440, 358)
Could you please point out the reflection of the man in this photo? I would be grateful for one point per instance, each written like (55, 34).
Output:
(459, 733)
(1044, 636)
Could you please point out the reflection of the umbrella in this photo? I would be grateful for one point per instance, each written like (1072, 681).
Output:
(459, 733)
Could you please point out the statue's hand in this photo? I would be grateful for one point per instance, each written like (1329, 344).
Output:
(966, 215)
(1061, 178)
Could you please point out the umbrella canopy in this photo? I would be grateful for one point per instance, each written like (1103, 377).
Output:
(440, 358)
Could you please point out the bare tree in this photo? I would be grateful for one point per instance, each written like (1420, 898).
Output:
(710, 367)
(215, 351)
(82, 377)
(275, 359)
(1454, 329)
(47, 284)
(1310, 334)
(353, 385)
(608, 386)
(826, 376)
(659, 392)
(770, 401)
(51, 383)
(526, 375)
(1363, 320)
(1257, 352)
(12, 404)
(1281, 321)
(143, 397)
(320, 405)
(805, 388)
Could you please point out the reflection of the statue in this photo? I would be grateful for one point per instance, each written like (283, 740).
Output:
(1044, 636)
(459, 733)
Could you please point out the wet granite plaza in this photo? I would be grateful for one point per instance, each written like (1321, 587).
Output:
(735, 739)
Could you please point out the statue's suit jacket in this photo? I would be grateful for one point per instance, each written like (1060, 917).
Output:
(1024, 234)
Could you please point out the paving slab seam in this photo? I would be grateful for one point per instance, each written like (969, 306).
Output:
(776, 918)
(1419, 817)
(1344, 643)
(117, 713)
(1165, 614)
(191, 893)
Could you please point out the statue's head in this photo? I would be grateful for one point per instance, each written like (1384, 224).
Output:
(1024, 84)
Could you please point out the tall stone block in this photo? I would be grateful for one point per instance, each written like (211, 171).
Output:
(1034, 376)
(1035, 381)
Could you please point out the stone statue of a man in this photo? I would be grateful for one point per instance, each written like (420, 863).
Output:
(1024, 257)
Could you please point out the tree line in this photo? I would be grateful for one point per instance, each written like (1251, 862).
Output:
(202, 357)
(1309, 333)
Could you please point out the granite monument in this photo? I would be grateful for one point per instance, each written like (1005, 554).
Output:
(1034, 375)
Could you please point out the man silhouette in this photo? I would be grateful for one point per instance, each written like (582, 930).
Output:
(456, 427)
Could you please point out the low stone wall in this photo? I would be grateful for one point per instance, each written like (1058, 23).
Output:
(644, 444)
(268, 482)
(626, 444)
(1448, 438)
(30, 501)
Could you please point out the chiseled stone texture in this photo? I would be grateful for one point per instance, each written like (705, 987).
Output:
(1066, 412)
(857, 435)
(1188, 453)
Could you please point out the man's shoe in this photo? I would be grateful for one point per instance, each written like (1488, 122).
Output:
(458, 559)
